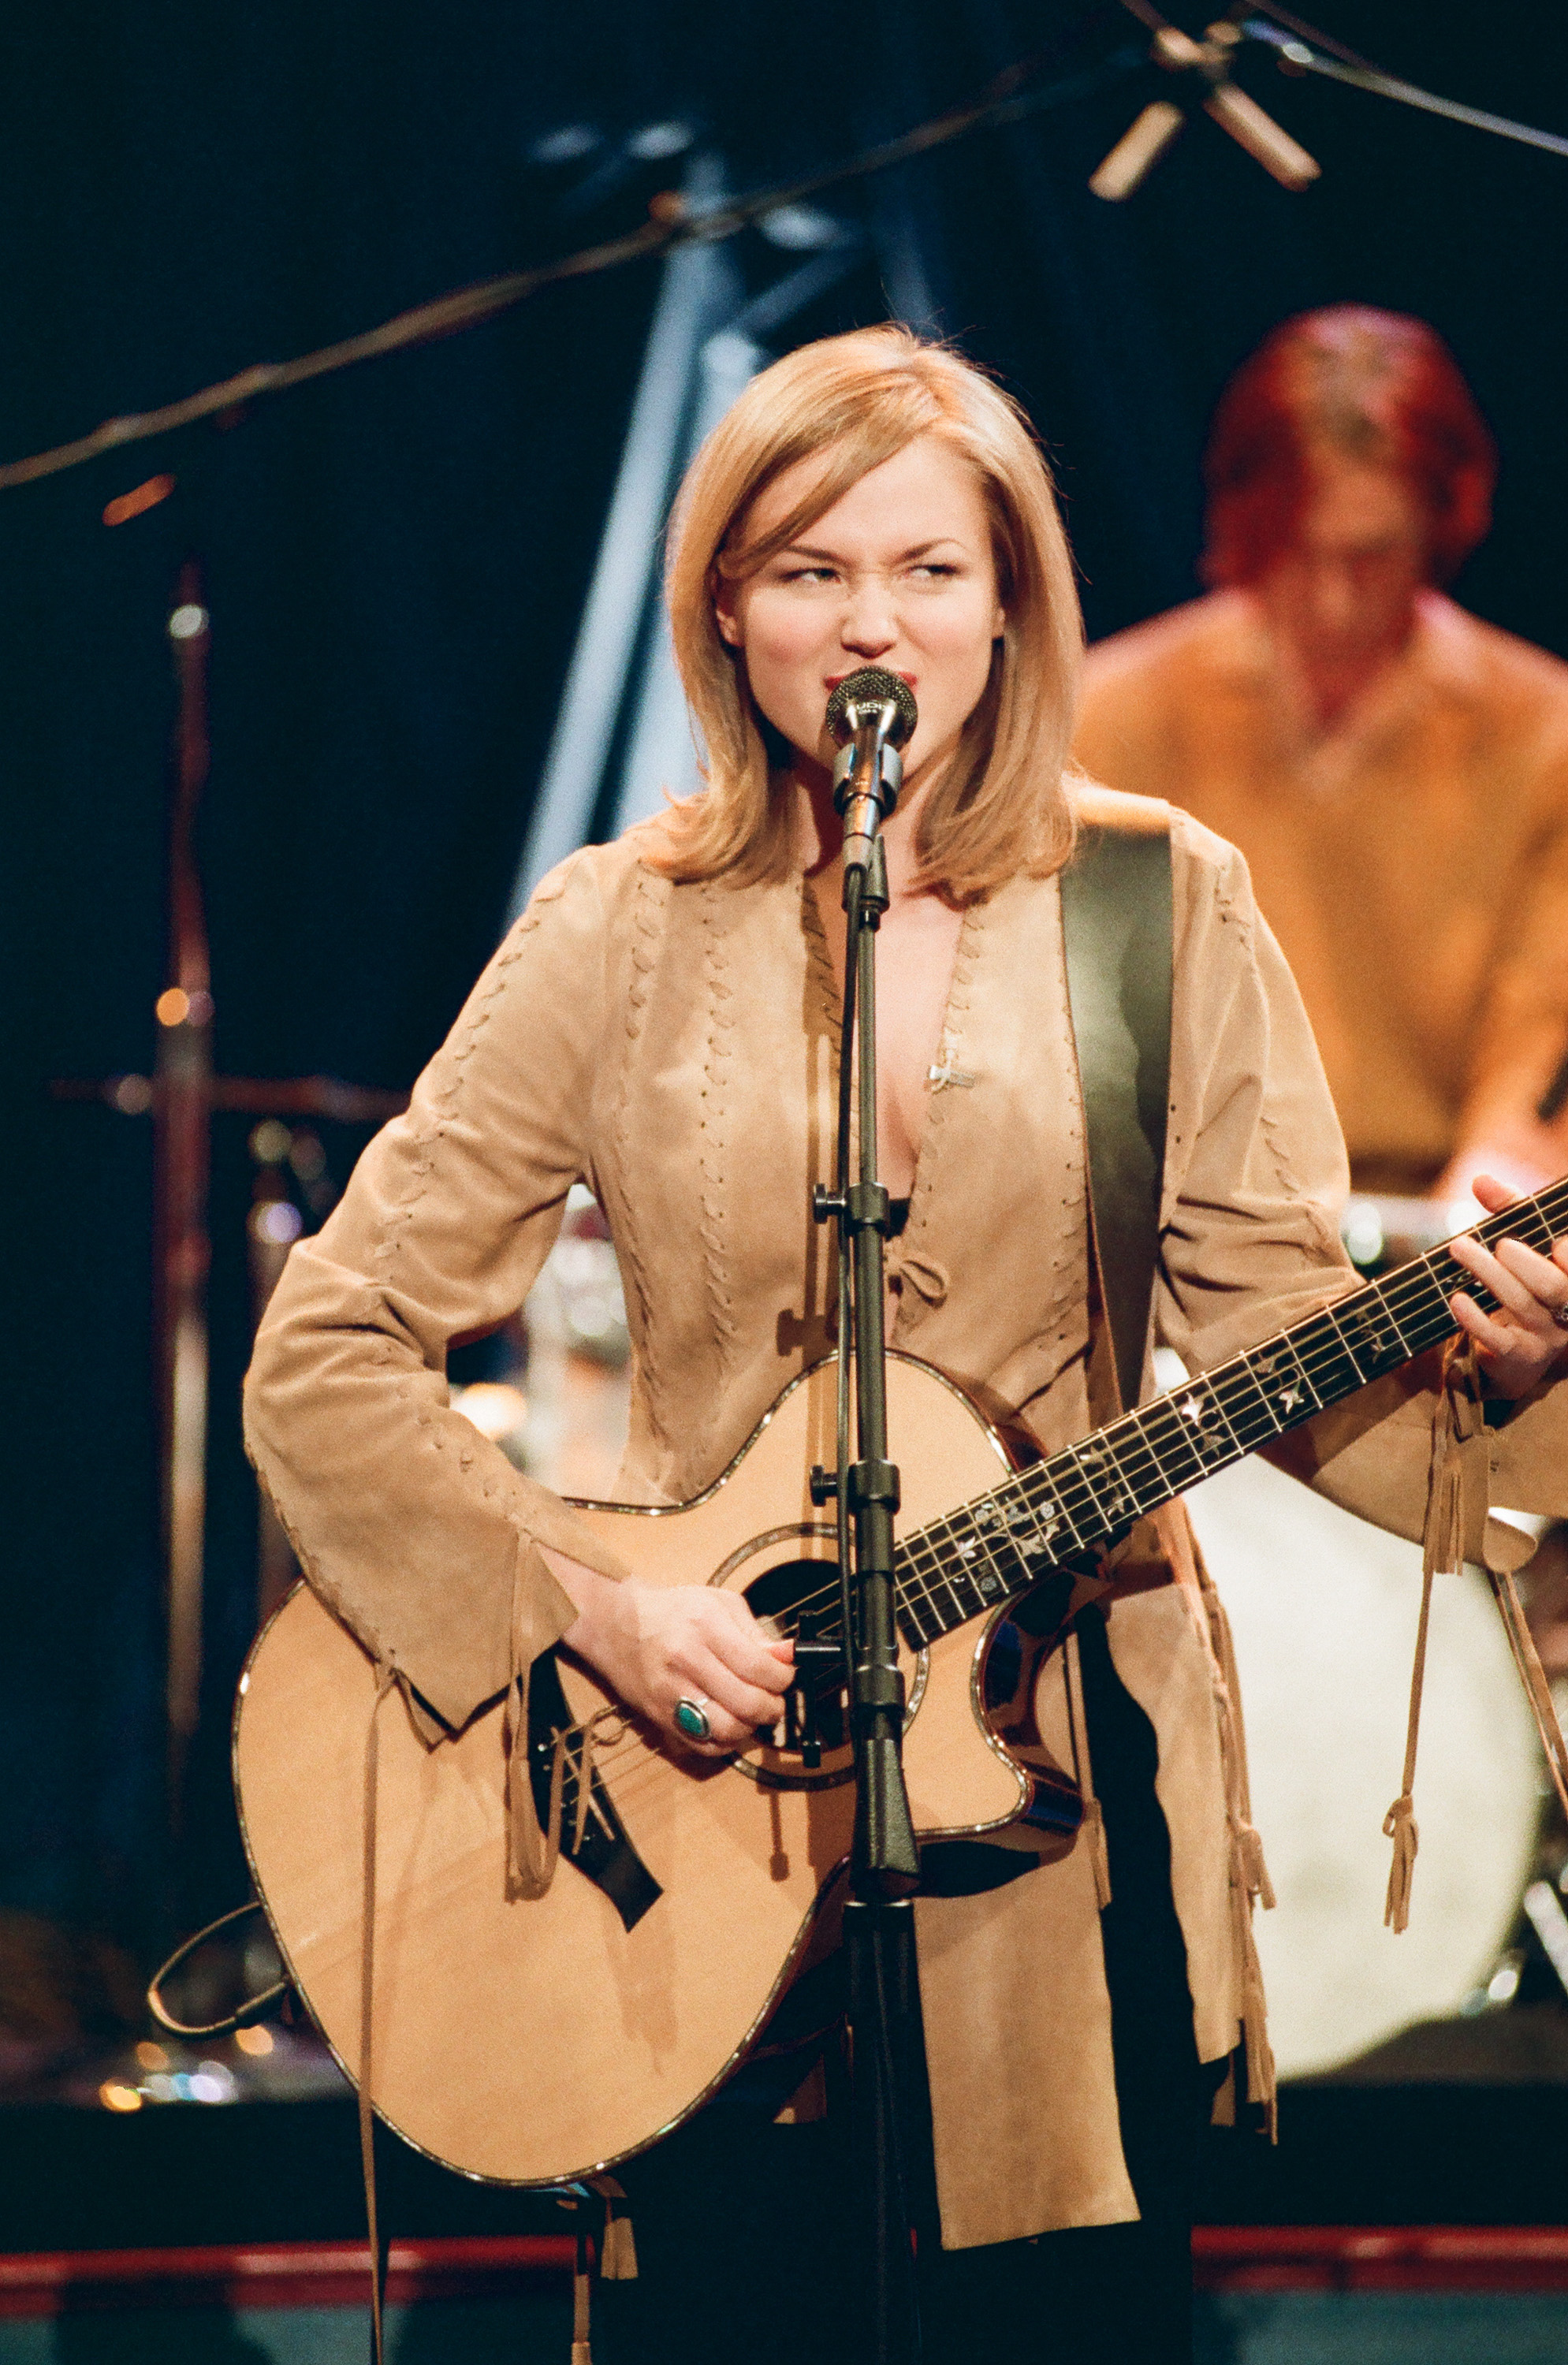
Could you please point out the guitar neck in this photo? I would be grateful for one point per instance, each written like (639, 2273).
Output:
(1077, 1502)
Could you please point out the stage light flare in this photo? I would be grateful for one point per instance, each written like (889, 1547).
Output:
(141, 498)
(270, 1141)
(116, 2096)
(276, 1221)
(175, 1007)
(256, 2041)
(496, 1409)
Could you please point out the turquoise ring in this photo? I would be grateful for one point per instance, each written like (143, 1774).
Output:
(692, 1716)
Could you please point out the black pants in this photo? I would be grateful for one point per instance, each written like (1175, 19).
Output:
(740, 2223)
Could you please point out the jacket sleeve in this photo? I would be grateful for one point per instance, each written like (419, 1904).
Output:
(1255, 1178)
(415, 1531)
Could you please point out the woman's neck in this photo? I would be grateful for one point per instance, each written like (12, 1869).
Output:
(821, 832)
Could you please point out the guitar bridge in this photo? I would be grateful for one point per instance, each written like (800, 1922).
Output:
(601, 1851)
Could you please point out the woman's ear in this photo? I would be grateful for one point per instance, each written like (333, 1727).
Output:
(724, 614)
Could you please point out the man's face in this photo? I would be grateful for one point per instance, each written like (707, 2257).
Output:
(1344, 588)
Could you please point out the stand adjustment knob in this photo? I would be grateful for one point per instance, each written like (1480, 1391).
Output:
(823, 1484)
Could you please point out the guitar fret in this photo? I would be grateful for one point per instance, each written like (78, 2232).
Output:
(1043, 1495)
(1078, 1499)
(1326, 1354)
(1285, 1382)
(966, 1546)
(1426, 1315)
(1382, 1343)
(1198, 1407)
(1033, 1523)
(914, 1605)
(993, 1516)
(1161, 1419)
(1137, 1462)
(945, 1602)
(1061, 1474)
(1150, 1420)
(1249, 1414)
(1115, 1504)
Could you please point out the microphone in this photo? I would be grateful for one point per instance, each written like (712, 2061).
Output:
(1205, 67)
(871, 714)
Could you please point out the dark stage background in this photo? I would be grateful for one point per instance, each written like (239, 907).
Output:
(396, 560)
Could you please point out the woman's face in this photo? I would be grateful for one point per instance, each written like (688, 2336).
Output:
(897, 573)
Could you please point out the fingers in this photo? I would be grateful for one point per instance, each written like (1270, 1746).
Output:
(756, 1657)
(708, 1648)
(1493, 1196)
(1488, 1334)
(1527, 1285)
(735, 1710)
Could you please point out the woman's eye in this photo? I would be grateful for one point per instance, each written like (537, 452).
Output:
(936, 567)
(809, 575)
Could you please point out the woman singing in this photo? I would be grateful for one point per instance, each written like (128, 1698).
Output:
(662, 1025)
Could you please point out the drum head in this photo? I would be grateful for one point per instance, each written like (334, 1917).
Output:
(1324, 1610)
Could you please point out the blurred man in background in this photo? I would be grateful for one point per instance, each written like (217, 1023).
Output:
(1394, 770)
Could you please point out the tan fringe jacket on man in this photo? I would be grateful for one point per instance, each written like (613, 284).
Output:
(674, 1047)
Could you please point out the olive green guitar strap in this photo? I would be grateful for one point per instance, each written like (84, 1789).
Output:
(1115, 902)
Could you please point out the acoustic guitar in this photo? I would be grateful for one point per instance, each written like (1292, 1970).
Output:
(534, 2042)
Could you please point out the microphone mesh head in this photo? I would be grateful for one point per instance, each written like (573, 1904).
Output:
(872, 686)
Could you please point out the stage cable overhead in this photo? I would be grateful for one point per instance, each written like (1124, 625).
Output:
(1298, 46)
(671, 224)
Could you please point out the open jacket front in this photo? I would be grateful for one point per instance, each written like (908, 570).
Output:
(675, 1048)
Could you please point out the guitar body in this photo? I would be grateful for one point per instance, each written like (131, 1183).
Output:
(531, 2042)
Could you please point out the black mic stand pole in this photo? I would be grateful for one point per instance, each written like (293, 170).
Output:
(879, 1919)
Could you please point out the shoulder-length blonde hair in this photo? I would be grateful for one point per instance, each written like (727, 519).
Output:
(853, 401)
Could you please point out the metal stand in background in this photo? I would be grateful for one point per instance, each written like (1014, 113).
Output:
(181, 1099)
(874, 710)
(181, 1096)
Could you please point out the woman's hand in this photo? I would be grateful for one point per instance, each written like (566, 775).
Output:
(1519, 1344)
(657, 1644)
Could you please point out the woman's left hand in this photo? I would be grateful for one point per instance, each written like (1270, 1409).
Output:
(1518, 1345)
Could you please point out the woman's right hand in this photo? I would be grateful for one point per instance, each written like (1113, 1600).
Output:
(657, 1644)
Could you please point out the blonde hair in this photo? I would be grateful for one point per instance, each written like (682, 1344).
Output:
(1001, 806)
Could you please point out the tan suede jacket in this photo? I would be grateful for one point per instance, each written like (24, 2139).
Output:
(674, 1047)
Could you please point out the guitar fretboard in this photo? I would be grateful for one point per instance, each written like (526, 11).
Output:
(1076, 1503)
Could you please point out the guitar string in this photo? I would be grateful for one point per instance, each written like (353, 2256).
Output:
(1327, 1356)
(1319, 1359)
(1415, 1285)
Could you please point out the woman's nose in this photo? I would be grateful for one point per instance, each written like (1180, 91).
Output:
(869, 626)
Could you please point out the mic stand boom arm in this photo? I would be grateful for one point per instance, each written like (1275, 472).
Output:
(884, 1865)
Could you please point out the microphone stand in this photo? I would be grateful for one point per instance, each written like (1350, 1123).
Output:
(879, 1919)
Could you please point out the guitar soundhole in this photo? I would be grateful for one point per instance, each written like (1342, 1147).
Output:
(806, 1753)
(802, 1599)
